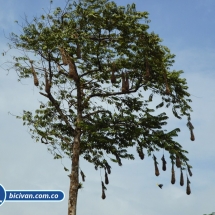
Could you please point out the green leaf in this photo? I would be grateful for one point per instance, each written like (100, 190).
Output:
(114, 160)
(57, 156)
(160, 105)
(66, 169)
(150, 97)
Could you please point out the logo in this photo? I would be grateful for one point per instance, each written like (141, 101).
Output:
(30, 195)
(2, 194)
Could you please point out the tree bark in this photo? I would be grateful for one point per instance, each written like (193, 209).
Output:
(74, 177)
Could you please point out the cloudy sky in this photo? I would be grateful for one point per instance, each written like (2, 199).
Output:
(188, 29)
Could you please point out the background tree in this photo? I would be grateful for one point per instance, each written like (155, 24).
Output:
(95, 63)
(210, 214)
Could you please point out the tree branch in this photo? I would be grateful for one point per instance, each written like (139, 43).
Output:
(98, 111)
(111, 94)
(54, 102)
(44, 94)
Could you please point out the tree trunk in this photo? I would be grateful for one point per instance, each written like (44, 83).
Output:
(74, 179)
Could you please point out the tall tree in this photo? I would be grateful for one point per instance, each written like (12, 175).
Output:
(95, 62)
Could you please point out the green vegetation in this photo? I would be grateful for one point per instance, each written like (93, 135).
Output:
(98, 68)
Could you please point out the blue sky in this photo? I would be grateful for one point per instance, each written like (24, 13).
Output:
(188, 30)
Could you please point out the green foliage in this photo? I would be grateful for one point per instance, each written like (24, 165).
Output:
(209, 214)
(98, 36)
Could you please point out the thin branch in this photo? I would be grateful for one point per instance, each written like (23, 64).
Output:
(90, 71)
(44, 94)
(95, 112)
(111, 94)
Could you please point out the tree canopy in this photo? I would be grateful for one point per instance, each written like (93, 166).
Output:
(98, 67)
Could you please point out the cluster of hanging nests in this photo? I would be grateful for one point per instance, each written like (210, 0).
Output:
(157, 173)
(68, 60)
(178, 165)
(107, 171)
